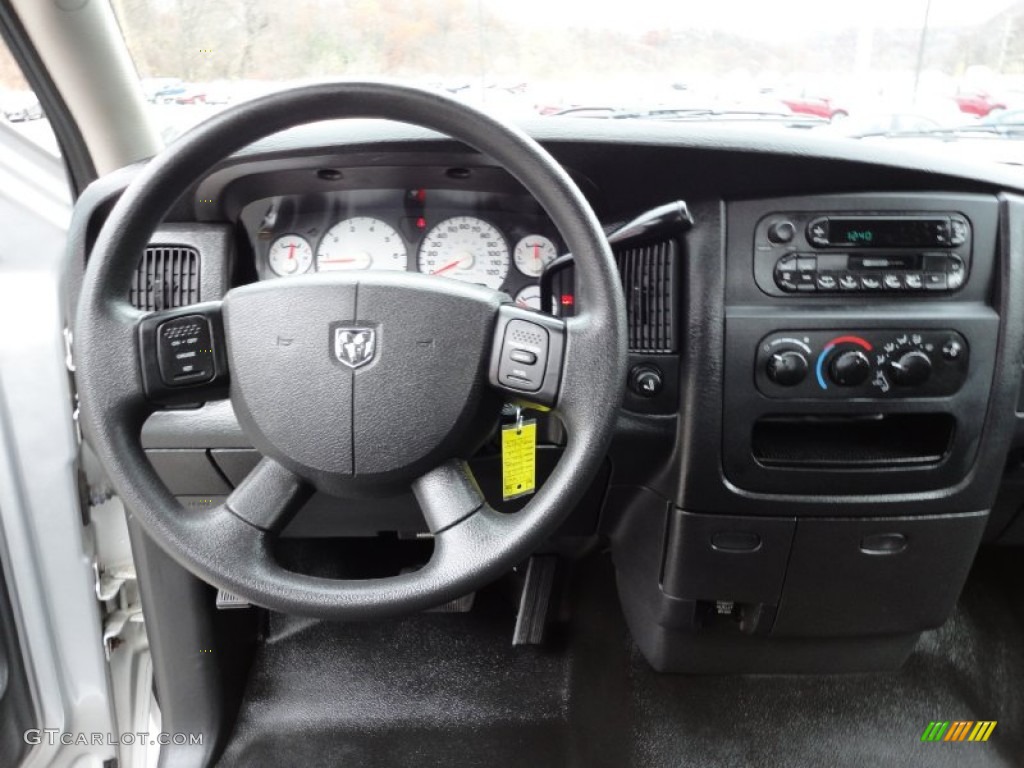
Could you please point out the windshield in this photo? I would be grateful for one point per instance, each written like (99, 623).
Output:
(926, 72)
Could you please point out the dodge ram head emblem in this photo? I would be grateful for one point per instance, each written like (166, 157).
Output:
(354, 346)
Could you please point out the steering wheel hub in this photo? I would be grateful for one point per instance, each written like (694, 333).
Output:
(361, 380)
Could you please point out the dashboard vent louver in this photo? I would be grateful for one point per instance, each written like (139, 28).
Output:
(650, 282)
(167, 278)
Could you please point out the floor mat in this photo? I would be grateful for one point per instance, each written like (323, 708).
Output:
(439, 689)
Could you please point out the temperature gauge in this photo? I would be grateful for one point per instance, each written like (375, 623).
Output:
(290, 255)
(533, 253)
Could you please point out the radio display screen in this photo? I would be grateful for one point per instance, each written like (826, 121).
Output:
(883, 233)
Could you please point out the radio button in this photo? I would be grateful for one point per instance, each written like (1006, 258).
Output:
(954, 280)
(957, 232)
(870, 283)
(935, 281)
(826, 281)
(849, 282)
(817, 232)
(913, 282)
(805, 281)
(806, 263)
(893, 282)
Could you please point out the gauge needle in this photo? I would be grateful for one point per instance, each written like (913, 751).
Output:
(446, 267)
(336, 261)
(536, 252)
(291, 251)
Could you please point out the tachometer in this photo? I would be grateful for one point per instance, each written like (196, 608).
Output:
(466, 248)
(290, 255)
(361, 243)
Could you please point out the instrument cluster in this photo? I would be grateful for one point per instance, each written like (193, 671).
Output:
(499, 240)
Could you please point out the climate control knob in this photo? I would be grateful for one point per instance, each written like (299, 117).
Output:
(787, 369)
(849, 369)
(911, 369)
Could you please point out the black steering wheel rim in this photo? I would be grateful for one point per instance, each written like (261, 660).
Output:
(473, 544)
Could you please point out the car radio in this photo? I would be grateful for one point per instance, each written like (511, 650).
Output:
(801, 253)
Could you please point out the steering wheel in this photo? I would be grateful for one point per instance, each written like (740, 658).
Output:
(400, 375)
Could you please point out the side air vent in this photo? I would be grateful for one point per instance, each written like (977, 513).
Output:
(650, 280)
(167, 277)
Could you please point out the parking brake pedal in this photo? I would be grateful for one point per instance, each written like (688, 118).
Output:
(535, 601)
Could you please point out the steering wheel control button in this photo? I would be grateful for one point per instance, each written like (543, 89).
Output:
(185, 350)
(523, 356)
(646, 381)
(787, 369)
(849, 369)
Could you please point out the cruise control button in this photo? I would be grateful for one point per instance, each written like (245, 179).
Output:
(185, 350)
(523, 356)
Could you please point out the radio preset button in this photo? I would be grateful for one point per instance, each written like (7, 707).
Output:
(849, 282)
(913, 282)
(869, 283)
(826, 282)
(893, 282)
(935, 281)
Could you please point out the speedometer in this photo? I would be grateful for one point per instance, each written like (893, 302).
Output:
(466, 248)
(361, 243)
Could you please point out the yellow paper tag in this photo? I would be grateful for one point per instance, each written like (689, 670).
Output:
(518, 459)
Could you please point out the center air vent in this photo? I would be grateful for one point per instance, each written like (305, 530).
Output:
(167, 278)
(650, 280)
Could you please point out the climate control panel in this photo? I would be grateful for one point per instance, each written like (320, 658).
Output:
(861, 364)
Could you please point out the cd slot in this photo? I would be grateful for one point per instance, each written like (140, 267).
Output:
(898, 261)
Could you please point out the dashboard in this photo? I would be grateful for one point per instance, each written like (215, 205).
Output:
(501, 241)
(824, 416)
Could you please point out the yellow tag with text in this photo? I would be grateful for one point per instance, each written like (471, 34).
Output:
(518, 459)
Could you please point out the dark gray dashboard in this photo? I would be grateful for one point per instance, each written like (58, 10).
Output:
(820, 550)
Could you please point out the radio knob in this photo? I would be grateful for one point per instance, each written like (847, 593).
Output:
(787, 369)
(781, 232)
(850, 369)
(912, 369)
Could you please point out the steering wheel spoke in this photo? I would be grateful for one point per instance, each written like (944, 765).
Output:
(527, 355)
(268, 497)
(448, 495)
(183, 355)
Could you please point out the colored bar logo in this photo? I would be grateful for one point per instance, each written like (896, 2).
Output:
(959, 730)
